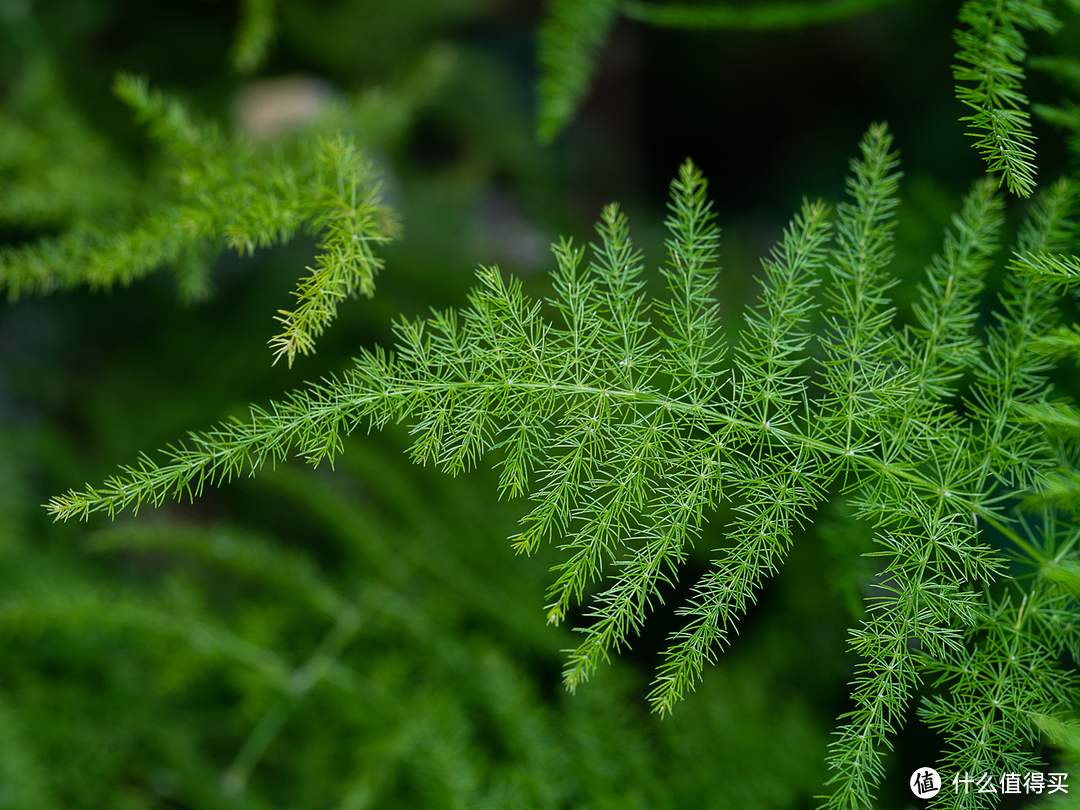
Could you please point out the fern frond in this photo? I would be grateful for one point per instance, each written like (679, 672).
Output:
(1000, 689)
(922, 599)
(691, 314)
(1061, 341)
(346, 209)
(769, 357)
(626, 425)
(946, 311)
(924, 585)
(1011, 682)
(1011, 375)
(859, 378)
(992, 49)
(226, 191)
(1053, 269)
(231, 193)
(101, 258)
(570, 38)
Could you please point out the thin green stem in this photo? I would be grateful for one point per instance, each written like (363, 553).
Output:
(762, 17)
(302, 680)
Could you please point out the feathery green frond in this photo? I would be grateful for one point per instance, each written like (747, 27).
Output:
(929, 551)
(1054, 269)
(1040, 267)
(1012, 375)
(769, 358)
(626, 425)
(995, 693)
(571, 36)
(1061, 341)
(991, 76)
(858, 378)
(346, 209)
(227, 191)
(231, 192)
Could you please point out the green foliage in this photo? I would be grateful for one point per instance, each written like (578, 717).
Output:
(1054, 268)
(992, 49)
(61, 173)
(628, 431)
(569, 39)
(701, 477)
(248, 673)
(223, 191)
(997, 690)
(256, 34)
(236, 195)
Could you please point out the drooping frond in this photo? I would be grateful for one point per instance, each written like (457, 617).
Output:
(226, 191)
(991, 76)
(234, 193)
(570, 38)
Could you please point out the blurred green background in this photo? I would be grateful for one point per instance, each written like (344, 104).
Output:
(364, 636)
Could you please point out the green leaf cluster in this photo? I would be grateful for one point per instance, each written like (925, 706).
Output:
(992, 49)
(995, 693)
(221, 192)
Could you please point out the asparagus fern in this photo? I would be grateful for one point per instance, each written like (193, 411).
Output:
(624, 422)
(224, 191)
